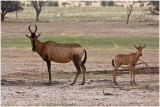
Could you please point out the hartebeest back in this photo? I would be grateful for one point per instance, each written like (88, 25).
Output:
(61, 53)
(127, 59)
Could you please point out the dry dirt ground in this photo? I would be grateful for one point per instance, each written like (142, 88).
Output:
(25, 77)
(81, 27)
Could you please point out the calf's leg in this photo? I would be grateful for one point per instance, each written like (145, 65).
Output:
(115, 74)
(134, 75)
(131, 73)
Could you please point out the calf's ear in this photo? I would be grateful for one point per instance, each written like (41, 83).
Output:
(135, 46)
(38, 35)
(27, 36)
(144, 46)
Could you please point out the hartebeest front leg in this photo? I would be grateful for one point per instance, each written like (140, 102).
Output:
(49, 69)
(115, 74)
(76, 63)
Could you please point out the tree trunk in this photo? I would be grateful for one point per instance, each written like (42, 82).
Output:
(2, 17)
(37, 17)
(129, 13)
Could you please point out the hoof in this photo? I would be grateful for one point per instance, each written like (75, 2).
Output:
(49, 84)
(72, 84)
(82, 83)
(134, 83)
(116, 84)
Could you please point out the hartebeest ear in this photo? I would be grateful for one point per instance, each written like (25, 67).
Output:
(27, 36)
(135, 46)
(144, 46)
(38, 35)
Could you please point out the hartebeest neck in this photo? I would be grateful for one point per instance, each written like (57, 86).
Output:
(38, 46)
(137, 55)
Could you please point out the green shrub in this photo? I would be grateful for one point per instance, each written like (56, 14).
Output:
(110, 3)
(103, 3)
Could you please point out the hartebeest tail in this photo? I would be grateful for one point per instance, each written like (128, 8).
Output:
(113, 63)
(85, 57)
(127, 59)
(61, 53)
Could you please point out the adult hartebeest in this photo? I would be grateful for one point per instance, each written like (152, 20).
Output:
(127, 59)
(61, 53)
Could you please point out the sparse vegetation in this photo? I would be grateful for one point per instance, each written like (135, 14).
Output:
(108, 14)
(103, 3)
(110, 3)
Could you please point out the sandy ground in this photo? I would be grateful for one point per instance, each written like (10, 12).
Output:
(24, 78)
(81, 27)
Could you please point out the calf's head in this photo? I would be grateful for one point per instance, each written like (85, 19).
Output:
(140, 48)
(33, 37)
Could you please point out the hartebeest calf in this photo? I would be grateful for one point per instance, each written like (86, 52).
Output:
(127, 59)
(61, 53)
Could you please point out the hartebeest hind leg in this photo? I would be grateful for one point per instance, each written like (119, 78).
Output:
(134, 75)
(131, 73)
(84, 71)
(49, 68)
(76, 63)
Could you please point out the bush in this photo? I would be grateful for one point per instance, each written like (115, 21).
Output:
(53, 3)
(141, 5)
(110, 3)
(88, 3)
(103, 3)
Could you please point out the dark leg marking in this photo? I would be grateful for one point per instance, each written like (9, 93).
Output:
(76, 63)
(49, 67)
(84, 71)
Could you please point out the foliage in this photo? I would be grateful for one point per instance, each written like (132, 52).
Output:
(38, 7)
(154, 9)
(88, 3)
(110, 3)
(8, 7)
(53, 3)
(64, 4)
(103, 3)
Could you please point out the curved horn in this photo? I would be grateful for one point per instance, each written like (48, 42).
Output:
(35, 29)
(29, 28)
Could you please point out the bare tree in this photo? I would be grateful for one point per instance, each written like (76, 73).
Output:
(154, 9)
(129, 11)
(38, 7)
(9, 6)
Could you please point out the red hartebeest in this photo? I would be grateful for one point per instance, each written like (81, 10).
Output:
(127, 59)
(61, 53)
